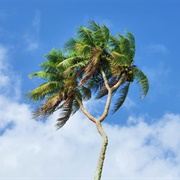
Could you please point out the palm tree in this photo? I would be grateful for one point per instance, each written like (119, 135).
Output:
(93, 62)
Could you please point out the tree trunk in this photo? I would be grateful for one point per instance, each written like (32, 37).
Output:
(102, 152)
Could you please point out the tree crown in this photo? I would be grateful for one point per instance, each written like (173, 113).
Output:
(89, 63)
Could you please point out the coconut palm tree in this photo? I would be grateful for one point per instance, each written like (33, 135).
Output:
(94, 62)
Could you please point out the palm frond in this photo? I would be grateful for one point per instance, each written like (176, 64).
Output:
(114, 44)
(103, 91)
(90, 70)
(41, 74)
(75, 107)
(65, 115)
(48, 107)
(70, 45)
(55, 56)
(122, 96)
(105, 32)
(86, 93)
(44, 89)
(132, 44)
(83, 49)
(125, 47)
(142, 81)
(66, 63)
(85, 35)
(95, 83)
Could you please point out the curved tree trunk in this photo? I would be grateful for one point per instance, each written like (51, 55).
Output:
(102, 152)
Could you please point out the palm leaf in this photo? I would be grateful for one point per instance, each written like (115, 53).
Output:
(75, 107)
(86, 93)
(65, 115)
(142, 81)
(103, 91)
(114, 44)
(95, 83)
(42, 75)
(132, 44)
(44, 89)
(105, 32)
(122, 96)
(70, 45)
(83, 49)
(48, 107)
(85, 35)
(68, 62)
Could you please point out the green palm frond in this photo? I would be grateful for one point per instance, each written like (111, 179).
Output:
(93, 26)
(44, 89)
(100, 34)
(65, 115)
(42, 75)
(95, 83)
(85, 35)
(70, 45)
(118, 59)
(75, 107)
(69, 61)
(105, 33)
(142, 81)
(74, 73)
(78, 68)
(83, 49)
(55, 56)
(122, 96)
(132, 44)
(125, 47)
(86, 93)
(114, 44)
(103, 91)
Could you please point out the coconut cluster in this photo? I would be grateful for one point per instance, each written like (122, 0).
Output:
(129, 72)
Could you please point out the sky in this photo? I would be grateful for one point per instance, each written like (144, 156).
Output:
(144, 138)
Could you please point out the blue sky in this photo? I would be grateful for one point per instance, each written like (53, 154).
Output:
(29, 30)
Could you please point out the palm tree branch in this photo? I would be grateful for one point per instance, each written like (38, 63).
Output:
(122, 96)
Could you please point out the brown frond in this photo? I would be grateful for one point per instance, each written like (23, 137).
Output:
(92, 66)
(89, 71)
(48, 107)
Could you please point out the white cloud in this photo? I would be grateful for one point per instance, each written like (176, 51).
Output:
(3, 57)
(35, 150)
(4, 79)
(32, 37)
(158, 48)
(31, 149)
(8, 85)
(31, 42)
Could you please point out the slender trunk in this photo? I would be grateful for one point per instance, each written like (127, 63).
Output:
(100, 163)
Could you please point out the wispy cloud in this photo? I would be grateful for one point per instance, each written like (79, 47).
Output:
(129, 103)
(7, 83)
(4, 79)
(31, 42)
(32, 36)
(157, 48)
(37, 21)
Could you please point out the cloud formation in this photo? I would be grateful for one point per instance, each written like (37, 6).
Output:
(158, 48)
(32, 37)
(32, 149)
